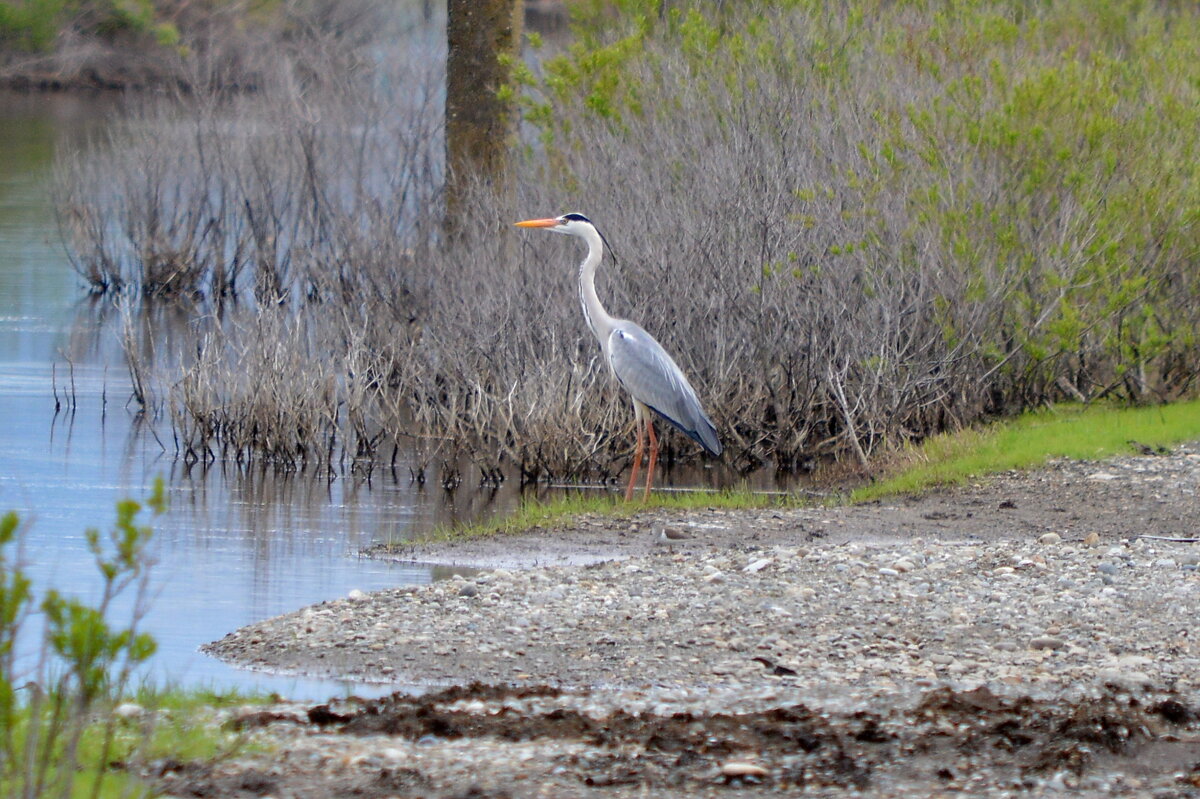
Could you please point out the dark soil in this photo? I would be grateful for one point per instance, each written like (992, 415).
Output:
(944, 740)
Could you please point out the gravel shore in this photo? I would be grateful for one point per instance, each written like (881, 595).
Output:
(1025, 600)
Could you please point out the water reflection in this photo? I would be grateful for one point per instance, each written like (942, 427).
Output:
(238, 544)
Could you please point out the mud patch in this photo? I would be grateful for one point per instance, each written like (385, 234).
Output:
(463, 743)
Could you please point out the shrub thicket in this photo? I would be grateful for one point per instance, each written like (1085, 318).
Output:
(206, 45)
(853, 226)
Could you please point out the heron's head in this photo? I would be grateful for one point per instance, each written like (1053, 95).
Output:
(573, 224)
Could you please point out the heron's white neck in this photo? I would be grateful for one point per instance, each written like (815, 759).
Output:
(597, 318)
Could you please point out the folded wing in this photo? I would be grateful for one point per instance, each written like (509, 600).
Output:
(647, 372)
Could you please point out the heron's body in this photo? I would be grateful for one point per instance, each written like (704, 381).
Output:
(638, 361)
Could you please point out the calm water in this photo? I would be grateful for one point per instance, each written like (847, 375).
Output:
(234, 547)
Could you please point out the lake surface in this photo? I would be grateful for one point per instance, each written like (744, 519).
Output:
(234, 547)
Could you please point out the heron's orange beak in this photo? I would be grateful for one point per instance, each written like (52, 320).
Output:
(538, 223)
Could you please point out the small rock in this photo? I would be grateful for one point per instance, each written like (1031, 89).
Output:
(758, 565)
(736, 768)
(1050, 538)
(1134, 661)
(1047, 642)
(886, 572)
(1091, 540)
(1165, 563)
(468, 590)
(904, 565)
(1108, 568)
(1127, 679)
(356, 594)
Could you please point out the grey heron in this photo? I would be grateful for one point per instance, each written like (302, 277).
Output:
(640, 363)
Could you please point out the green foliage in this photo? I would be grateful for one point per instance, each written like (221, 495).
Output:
(535, 513)
(33, 25)
(60, 735)
(1043, 159)
(1028, 441)
(15, 597)
(1089, 143)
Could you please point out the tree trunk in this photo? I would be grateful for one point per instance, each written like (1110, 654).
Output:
(479, 34)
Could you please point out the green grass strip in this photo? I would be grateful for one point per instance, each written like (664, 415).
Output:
(175, 723)
(559, 511)
(1030, 440)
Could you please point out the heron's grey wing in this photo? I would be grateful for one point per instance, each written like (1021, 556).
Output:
(649, 373)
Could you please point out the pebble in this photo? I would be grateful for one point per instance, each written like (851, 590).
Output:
(737, 768)
(1050, 538)
(1047, 642)
(1129, 679)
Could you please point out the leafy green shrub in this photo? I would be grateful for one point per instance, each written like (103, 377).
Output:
(51, 743)
(1001, 198)
(171, 44)
(33, 25)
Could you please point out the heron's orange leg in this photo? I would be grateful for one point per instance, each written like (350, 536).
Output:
(653, 455)
(637, 460)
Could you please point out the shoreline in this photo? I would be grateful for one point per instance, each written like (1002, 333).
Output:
(1067, 520)
(971, 639)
